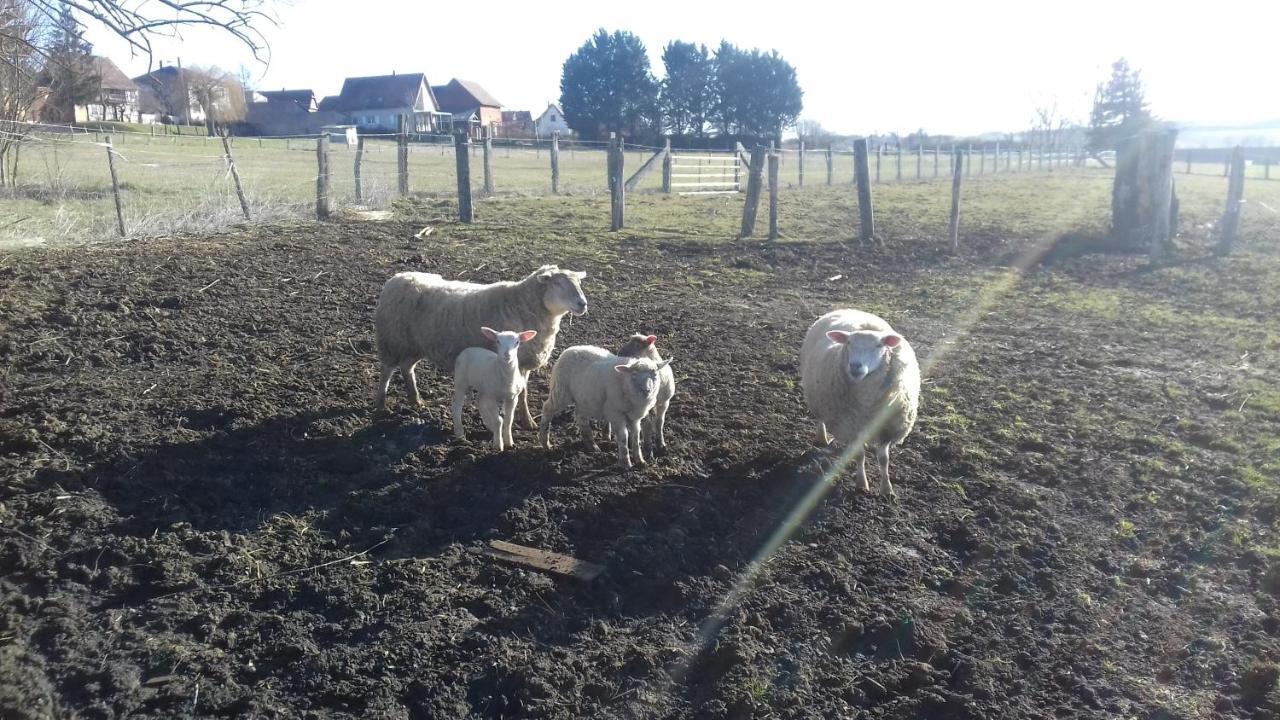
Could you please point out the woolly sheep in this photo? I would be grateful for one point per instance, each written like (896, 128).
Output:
(422, 316)
(861, 380)
(655, 424)
(497, 380)
(603, 386)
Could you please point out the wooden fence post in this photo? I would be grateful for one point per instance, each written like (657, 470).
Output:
(919, 162)
(235, 176)
(800, 162)
(968, 166)
(898, 162)
(982, 158)
(402, 158)
(462, 156)
(666, 166)
(488, 163)
(359, 169)
(773, 194)
(1235, 196)
(555, 163)
(617, 186)
(322, 176)
(954, 225)
(1188, 161)
(937, 150)
(752, 203)
(862, 176)
(1266, 169)
(995, 160)
(1019, 158)
(879, 156)
(1163, 223)
(115, 188)
(1226, 165)
(831, 166)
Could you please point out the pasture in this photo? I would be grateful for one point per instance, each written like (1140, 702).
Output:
(202, 517)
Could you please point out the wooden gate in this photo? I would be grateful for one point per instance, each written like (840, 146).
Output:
(706, 173)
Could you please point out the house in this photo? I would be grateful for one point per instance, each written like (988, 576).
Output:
(116, 99)
(285, 112)
(516, 123)
(376, 104)
(305, 99)
(161, 93)
(470, 105)
(551, 121)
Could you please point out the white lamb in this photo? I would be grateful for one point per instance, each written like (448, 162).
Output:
(422, 316)
(861, 380)
(497, 380)
(654, 428)
(603, 386)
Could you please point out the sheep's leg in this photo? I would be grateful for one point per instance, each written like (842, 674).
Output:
(526, 418)
(549, 412)
(384, 382)
(620, 432)
(821, 437)
(492, 420)
(886, 487)
(411, 382)
(459, 402)
(659, 427)
(508, 419)
(862, 470)
(634, 432)
(584, 429)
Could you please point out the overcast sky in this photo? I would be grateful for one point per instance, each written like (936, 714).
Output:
(947, 67)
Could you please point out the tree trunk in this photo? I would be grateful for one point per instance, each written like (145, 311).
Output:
(1142, 198)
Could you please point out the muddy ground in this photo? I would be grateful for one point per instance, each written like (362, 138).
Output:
(202, 518)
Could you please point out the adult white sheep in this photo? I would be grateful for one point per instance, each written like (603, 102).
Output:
(422, 316)
(603, 386)
(860, 380)
(497, 380)
(654, 426)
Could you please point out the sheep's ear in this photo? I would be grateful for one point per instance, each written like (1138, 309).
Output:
(665, 363)
(489, 333)
(575, 274)
(891, 340)
(625, 369)
(528, 335)
(650, 339)
(839, 336)
(546, 272)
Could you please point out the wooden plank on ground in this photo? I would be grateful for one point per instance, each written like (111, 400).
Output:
(543, 560)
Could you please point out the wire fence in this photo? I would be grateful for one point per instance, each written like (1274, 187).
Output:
(61, 186)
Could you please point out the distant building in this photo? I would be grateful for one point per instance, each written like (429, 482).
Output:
(376, 104)
(285, 112)
(161, 94)
(116, 99)
(552, 121)
(470, 105)
(517, 123)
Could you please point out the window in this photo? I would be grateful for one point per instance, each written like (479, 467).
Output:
(553, 117)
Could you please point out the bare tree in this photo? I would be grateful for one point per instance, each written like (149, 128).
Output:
(21, 36)
(139, 23)
(219, 95)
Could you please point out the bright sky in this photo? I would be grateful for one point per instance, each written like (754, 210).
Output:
(949, 67)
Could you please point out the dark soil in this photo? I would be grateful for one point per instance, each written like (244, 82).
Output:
(200, 515)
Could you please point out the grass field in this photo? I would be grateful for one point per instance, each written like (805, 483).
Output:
(202, 517)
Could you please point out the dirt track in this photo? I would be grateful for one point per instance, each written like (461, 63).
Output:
(201, 517)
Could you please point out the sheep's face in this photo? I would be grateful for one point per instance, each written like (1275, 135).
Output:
(562, 290)
(639, 346)
(866, 351)
(641, 376)
(507, 343)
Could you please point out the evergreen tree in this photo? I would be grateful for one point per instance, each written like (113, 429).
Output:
(1119, 108)
(607, 86)
(686, 97)
(70, 73)
(757, 93)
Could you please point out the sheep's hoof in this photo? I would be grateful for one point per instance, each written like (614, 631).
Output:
(890, 496)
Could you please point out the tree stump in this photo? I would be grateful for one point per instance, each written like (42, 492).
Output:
(1143, 207)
